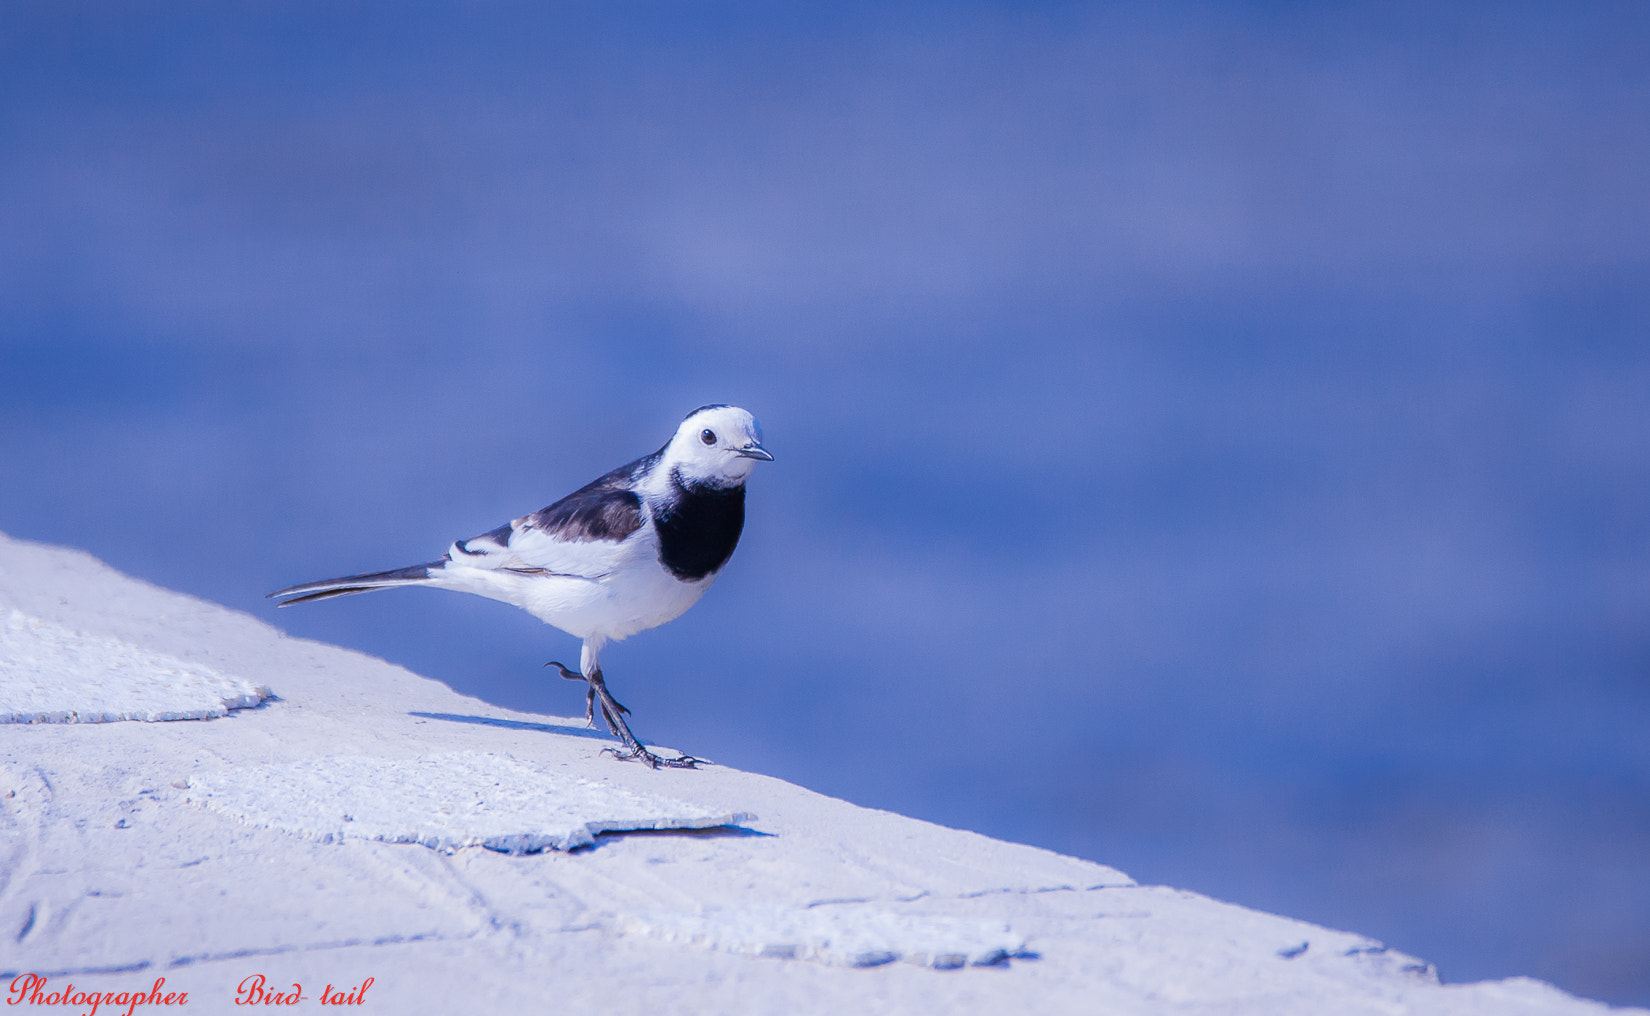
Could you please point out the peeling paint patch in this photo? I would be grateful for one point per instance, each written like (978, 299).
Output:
(446, 801)
(51, 674)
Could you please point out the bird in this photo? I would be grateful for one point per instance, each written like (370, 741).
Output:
(629, 551)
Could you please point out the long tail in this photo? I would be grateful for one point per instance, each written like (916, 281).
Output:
(358, 583)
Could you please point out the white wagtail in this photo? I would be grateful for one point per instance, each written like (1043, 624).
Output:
(625, 553)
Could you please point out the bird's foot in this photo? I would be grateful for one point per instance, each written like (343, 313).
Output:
(653, 761)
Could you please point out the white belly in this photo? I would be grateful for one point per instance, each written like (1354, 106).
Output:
(635, 595)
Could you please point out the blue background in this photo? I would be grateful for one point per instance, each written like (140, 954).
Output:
(1211, 438)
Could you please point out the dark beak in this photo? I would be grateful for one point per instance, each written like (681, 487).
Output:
(756, 451)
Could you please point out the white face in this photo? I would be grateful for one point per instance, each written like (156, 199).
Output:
(720, 445)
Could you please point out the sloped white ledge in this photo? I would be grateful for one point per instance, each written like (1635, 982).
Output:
(294, 841)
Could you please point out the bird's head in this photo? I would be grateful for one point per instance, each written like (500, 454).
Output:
(717, 445)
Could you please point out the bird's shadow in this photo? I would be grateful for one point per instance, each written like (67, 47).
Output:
(493, 721)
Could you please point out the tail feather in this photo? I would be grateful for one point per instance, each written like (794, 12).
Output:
(350, 584)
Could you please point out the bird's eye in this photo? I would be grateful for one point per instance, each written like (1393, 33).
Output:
(707, 436)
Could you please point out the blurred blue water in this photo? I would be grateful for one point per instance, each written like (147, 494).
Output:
(1210, 440)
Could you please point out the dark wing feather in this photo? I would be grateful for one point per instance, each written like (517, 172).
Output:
(578, 536)
(607, 508)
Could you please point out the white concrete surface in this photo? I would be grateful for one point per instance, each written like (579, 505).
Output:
(368, 823)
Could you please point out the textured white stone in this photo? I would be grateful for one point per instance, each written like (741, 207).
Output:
(52, 674)
(844, 935)
(444, 801)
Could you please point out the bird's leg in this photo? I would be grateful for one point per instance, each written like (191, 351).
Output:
(614, 714)
(589, 693)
